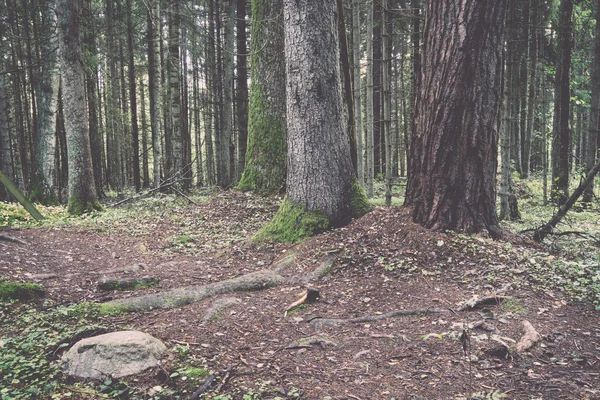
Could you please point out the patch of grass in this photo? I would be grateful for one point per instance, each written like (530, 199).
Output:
(513, 306)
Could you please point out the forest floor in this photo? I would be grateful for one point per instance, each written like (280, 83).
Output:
(382, 262)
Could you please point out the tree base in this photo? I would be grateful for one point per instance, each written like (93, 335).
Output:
(78, 207)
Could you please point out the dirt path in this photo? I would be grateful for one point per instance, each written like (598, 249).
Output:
(383, 263)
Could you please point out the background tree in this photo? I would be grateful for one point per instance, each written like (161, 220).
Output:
(82, 194)
(266, 155)
(454, 147)
(322, 189)
(560, 125)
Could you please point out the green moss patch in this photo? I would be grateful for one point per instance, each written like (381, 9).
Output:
(128, 284)
(78, 207)
(293, 223)
(358, 200)
(20, 291)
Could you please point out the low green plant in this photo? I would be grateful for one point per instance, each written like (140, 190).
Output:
(19, 290)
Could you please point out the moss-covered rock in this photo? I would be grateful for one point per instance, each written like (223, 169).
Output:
(20, 290)
(293, 223)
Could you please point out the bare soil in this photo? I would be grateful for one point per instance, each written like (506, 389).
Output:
(383, 262)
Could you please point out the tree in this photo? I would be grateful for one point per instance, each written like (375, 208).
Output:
(264, 171)
(594, 125)
(360, 170)
(322, 189)
(562, 96)
(241, 90)
(82, 193)
(153, 38)
(452, 183)
(42, 185)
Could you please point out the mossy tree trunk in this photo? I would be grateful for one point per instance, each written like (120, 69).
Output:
(452, 182)
(42, 178)
(5, 150)
(82, 193)
(264, 171)
(322, 189)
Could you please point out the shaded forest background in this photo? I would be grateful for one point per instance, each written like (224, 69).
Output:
(168, 100)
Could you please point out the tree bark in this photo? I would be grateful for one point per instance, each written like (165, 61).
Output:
(82, 193)
(452, 184)
(113, 137)
(369, 165)
(224, 172)
(135, 143)
(176, 153)
(560, 125)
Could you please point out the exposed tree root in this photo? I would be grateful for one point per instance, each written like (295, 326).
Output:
(482, 301)
(7, 238)
(318, 323)
(219, 306)
(254, 281)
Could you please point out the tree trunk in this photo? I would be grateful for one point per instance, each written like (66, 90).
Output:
(378, 158)
(153, 18)
(322, 190)
(266, 155)
(241, 91)
(5, 146)
(593, 133)
(145, 149)
(452, 183)
(224, 172)
(82, 193)
(369, 167)
(533, 89)
(176, 154)
(113, 137)
(42, 188)
(386, 90)
(560, 125)
(357, 91)
(135, 143)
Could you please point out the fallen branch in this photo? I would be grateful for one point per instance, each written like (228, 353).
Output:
(205, 386)
(164, 185)
(224, 380)
(253, 281)
(548, 227)
(530, 337)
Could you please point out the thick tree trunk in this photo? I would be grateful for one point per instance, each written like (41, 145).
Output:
(322, 190)
(241, 90)
(42, 188)
(266, 155)
(560, 125)
(82, 193)
(320, 175)
(452, 183)
(594, 123)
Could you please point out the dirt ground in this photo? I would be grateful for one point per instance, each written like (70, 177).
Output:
(383, 262)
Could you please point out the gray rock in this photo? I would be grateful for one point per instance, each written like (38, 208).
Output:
(115, 355)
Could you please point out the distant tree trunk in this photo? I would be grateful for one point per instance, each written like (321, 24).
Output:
(42, 188)
(82, 193)
(135, 141)
(369, 168)
(5, 146)
(153, 18)
(533, 88)
(387, 102)
(322, 190)
(378, 157)
(560, 124)
(145, 149)
(241, 91)
(113, 137)
(593, 133)
(454, 150)
(176, 154)
(224, 173)
(211, 116)
(415, 39)
(197, 126)
(266, 155)
(357, 90)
